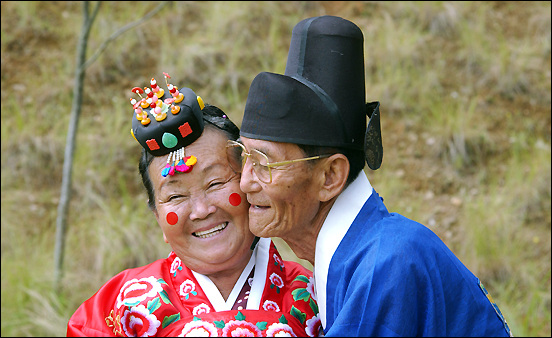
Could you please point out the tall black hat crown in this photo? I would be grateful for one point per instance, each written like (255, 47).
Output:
(320, 99)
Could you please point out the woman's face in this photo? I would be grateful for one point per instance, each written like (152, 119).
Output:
(203, 213)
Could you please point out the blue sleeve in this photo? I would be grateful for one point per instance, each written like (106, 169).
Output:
(405, 282)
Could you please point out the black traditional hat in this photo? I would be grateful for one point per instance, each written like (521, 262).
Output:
(165, 123)
(320, 100)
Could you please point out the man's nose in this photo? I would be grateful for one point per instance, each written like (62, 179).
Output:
(248, 180)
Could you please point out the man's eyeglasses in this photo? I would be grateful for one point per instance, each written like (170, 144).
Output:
(238, 155)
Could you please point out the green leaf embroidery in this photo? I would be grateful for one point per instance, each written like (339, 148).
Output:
(219, 324)
(283, 319)
(196, 319)
(160, 280)
(239, 316)
(298, 314)
(301, 278)
(165, 297)
(131, 304)
(154, 304)
(314, 306)
(261, 325)
(300, 294)
(168, 320)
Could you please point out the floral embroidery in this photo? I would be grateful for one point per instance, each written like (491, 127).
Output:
(310, 288)
(313, 326)
(187, 288)
(200, 309)
(280, 330)
(137, 290)
(199, 328)
(304, 294)
(115, 323)
(240, 328)
(176, 266)
(138, 321)
(269, 305)
(276, 281)
(278, 261)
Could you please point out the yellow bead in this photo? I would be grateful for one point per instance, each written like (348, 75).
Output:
(200, 101)
(191, 161)
(161, 117)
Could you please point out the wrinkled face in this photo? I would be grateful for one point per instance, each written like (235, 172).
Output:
(288, 204)
(203, 213)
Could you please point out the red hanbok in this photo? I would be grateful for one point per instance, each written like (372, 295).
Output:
(165, 298)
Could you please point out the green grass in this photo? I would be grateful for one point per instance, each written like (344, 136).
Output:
(465, 100)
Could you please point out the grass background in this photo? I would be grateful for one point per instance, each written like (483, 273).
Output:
(465, 106)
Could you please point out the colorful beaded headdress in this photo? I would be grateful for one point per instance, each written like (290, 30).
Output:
(166, 123)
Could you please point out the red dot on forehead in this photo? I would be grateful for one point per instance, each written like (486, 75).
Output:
(172, 218)
(235, 199)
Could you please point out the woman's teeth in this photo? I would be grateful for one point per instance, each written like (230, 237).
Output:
(211, 232)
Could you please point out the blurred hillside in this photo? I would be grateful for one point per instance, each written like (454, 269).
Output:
(465, 93)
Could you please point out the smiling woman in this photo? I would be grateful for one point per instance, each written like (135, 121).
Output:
(218, 279)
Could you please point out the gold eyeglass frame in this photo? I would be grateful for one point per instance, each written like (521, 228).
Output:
(268, 164)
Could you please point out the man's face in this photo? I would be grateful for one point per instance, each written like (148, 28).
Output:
(288, 204)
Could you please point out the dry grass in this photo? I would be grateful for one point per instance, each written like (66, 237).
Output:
(466, 109)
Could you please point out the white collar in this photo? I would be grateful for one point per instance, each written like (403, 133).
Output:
(259, 259)
(337, 223)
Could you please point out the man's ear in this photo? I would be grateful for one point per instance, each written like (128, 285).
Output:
(335, 170)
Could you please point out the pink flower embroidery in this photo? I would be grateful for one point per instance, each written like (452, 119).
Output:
(276, 280)
(240, 328)
(313, 326)
(269, 305)
(199, 328)
(200, 309)
(278, 261)
(186, 288)
(280, 330)
(136, 290)
(310, 288)
(139, 322)
(175, 266)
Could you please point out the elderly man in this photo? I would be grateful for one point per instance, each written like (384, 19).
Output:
(304, 143)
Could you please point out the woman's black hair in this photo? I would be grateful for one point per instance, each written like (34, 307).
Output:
(214, 118)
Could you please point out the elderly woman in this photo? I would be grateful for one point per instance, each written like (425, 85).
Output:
(219, 279)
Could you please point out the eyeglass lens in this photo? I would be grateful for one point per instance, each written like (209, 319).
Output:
(237, 156)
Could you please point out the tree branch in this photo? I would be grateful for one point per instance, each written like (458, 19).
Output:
(123, 29)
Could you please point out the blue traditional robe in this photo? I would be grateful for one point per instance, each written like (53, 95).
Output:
(382, 274)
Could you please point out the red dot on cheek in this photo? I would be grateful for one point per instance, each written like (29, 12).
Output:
(235, 199)
(172, 218)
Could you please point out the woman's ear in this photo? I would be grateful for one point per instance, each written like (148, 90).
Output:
(335, 172)
(157, 218)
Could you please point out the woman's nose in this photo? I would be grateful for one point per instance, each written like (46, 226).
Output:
(201, 207)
